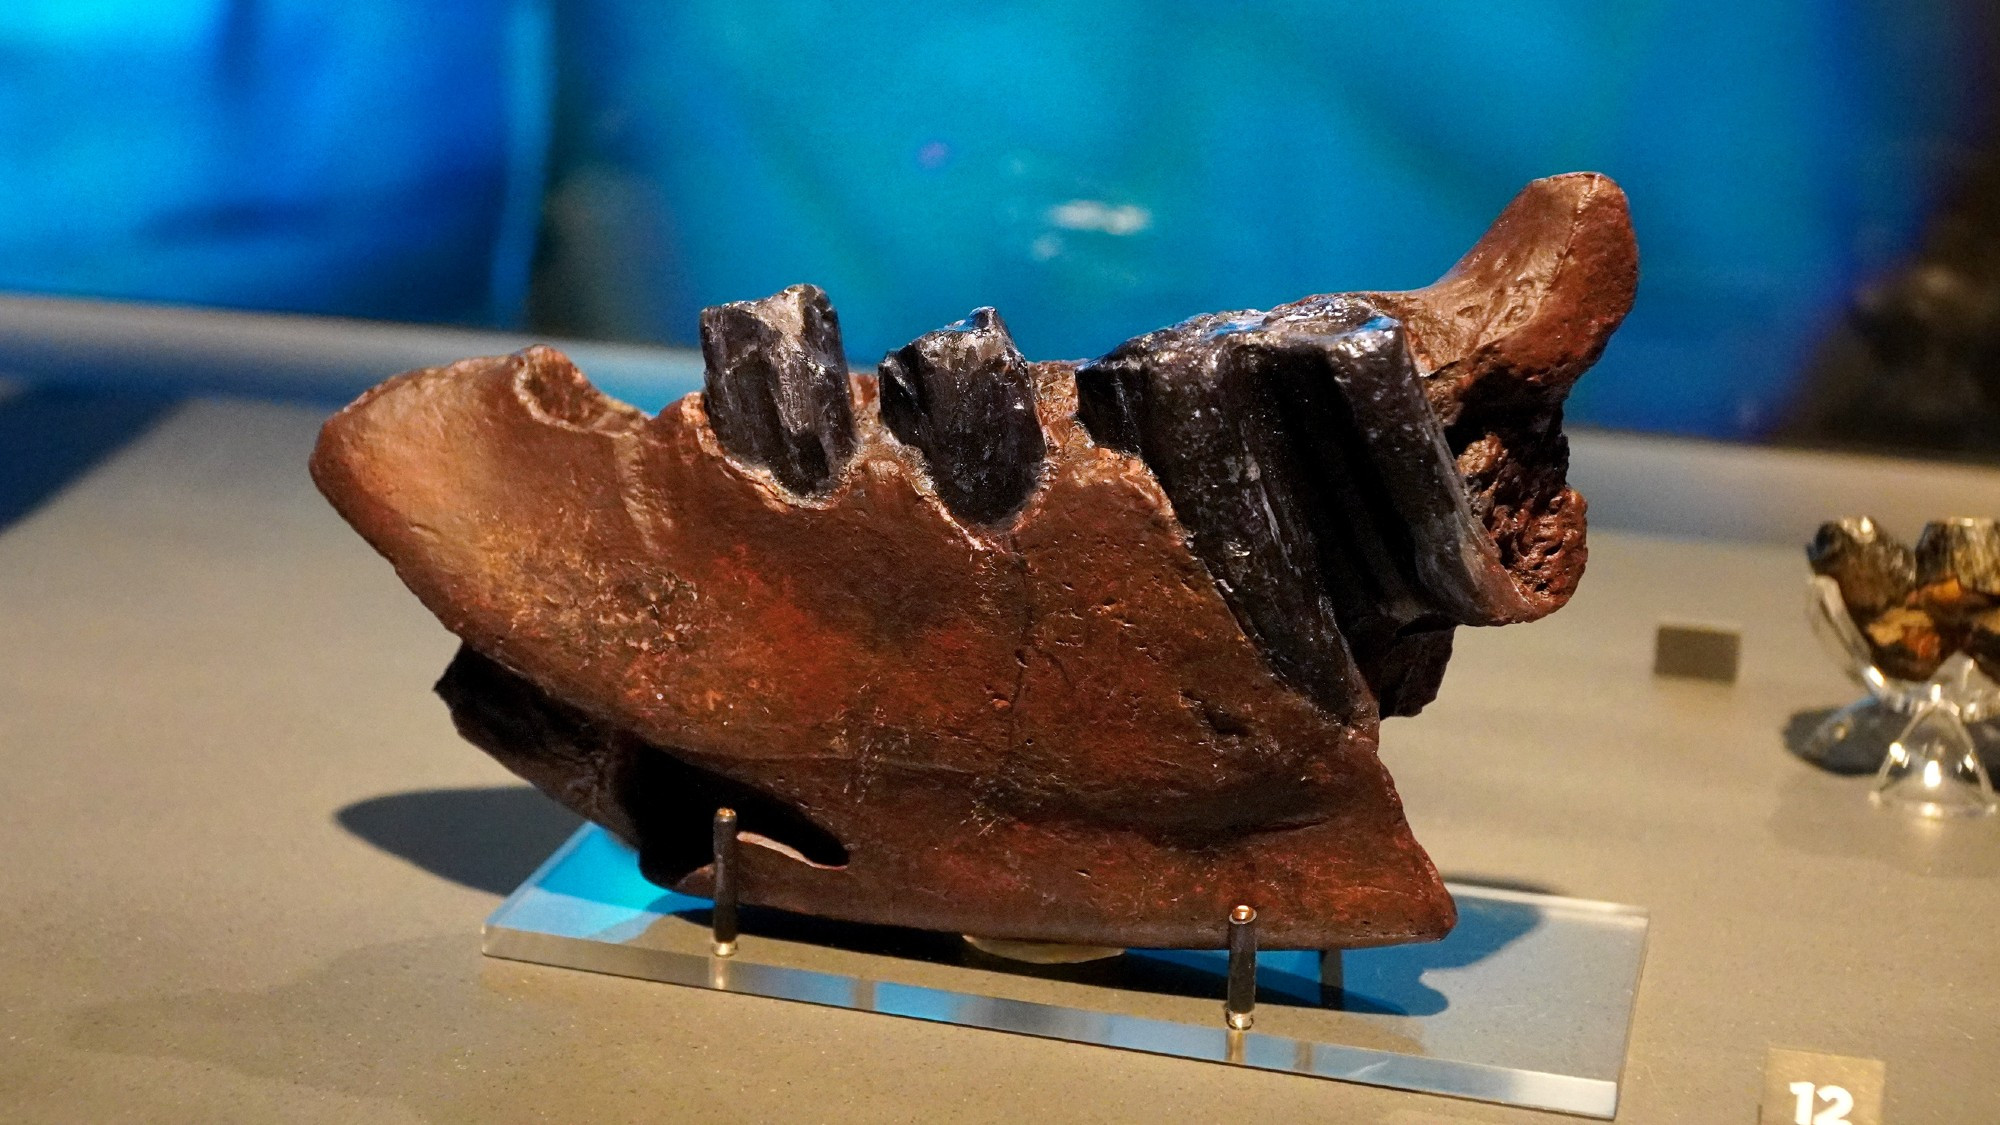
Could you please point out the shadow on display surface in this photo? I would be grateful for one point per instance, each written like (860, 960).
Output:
(1821, 808)
(1875, 728)
(487, 838)
(1528, 1002)
(51, 436)
(491, 838)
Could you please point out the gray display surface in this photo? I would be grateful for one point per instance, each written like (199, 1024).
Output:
(1527, 1002)
(248, 858)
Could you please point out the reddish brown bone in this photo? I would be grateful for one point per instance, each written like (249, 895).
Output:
(1502, 337)
(1531, 306)
(1045, 722)
(1053, 732)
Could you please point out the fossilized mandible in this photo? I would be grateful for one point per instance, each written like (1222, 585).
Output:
(1080, 653)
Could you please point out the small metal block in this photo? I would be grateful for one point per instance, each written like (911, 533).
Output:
(1700, 652)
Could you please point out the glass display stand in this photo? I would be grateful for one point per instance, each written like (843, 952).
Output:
(1528, 1002)
(1917, 736)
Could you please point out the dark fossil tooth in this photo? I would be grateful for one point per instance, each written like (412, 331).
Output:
(1318, 484)
(1205, 417)
(1004, 673)
(1873, 569)
(1965, 550)
(1982, 642)
(1877, 576)
(1906, 642)
(775, 386)
(964, 396)
(1915, 609)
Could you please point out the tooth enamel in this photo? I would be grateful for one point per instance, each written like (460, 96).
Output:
(966, 398)
(775, 387)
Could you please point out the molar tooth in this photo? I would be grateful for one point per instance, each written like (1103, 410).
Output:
(965, 397)
(1872, 568)
(1965, 549)
(776, 386)
(1196, 403)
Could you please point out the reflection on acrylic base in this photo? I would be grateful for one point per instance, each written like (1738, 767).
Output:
(1526, 1003)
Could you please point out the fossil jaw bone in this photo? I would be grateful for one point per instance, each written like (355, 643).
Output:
(1016, 649)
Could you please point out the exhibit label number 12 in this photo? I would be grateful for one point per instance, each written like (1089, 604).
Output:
(1809, 1088)
(1835, 1102)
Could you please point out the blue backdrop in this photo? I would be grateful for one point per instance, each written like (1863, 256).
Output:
(1095, 168)
(377, 158)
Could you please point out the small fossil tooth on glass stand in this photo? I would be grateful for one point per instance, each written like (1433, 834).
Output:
(1088, 654)
(1916, 629)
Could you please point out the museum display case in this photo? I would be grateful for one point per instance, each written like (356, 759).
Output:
(1021, 584)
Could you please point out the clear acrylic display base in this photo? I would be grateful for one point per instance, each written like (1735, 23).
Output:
(1917, 735)
(1528, 1002)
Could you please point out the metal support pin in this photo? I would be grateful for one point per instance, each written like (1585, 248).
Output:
(722, 921)
(1242, 968)
(1332, 978)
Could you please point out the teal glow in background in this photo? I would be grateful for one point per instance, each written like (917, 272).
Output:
(364, 158)
(1093, 168)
